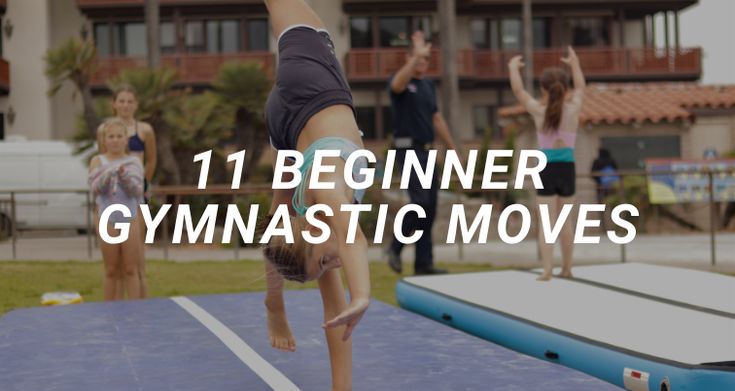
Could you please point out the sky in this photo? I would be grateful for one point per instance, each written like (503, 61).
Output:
(711, 26)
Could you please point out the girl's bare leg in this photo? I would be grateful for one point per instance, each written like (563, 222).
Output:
(112, 259)
(130, 260)
(120, 284)
(547, 249)
(567, 239)
(279, 332)
(141, 265)
(340, 352)
(284, 13)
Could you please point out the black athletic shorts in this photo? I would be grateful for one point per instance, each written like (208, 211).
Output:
(308, 80)
(558, 178)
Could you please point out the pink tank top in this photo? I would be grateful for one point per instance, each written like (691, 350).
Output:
(558, 139)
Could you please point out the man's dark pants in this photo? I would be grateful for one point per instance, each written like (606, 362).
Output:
(427, 199)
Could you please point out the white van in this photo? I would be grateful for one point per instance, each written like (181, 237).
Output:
(43, 165)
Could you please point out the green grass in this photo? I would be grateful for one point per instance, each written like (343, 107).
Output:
(23, 283)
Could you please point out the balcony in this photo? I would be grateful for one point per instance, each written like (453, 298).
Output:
(619, 64)
(134, 9)
(4, 76)
(193, 68)
(140, 3)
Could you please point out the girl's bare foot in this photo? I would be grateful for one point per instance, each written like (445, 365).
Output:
(279, 332)
(566, 274)
(544, 277)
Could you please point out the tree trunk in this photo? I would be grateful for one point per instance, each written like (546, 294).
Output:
(90, 115)
(252, 138)
(449, 81)
(169, 167)
(152, 25)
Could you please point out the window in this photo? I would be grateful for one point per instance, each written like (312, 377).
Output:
(422, 23)
(258, 35)
(630, 152)
(480, 34)
(102, 39)
(394, 31)
(361, 32)
(484, 122)
(194, 36)
(223, 36)
(167, 37)
(588, 32)
(484, 33)
(511, 34)
(541, 33)
(132, 39)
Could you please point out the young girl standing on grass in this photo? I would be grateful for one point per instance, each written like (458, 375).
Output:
(556, 118)
(117, 178)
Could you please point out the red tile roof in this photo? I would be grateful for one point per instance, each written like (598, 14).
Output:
(650, 102)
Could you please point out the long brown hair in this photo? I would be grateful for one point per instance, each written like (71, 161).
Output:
(555, 81)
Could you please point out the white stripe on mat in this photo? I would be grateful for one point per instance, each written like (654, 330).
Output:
(245, 353)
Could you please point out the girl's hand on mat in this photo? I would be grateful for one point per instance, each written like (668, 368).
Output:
(516, 62)
(349, 317)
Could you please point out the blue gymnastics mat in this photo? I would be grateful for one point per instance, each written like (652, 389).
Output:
(163, 344)
(640, 327)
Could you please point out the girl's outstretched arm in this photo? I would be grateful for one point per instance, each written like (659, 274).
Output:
(354, 261)
(340, 351)
(577, 76)
(516, 81)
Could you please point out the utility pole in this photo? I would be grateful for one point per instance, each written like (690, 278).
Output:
(449, 80)
(527, 45)
(152, 23)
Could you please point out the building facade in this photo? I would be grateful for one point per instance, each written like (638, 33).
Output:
(614, 41)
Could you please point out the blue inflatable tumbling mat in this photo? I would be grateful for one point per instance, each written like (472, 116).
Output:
(220, 343)
(640, 327)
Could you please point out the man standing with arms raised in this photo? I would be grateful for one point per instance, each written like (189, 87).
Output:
(416, 123)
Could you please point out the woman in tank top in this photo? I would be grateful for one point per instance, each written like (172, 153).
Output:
(141, 143)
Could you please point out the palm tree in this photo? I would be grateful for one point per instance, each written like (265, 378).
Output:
(201, 123)
(74, 61)
(243, 89)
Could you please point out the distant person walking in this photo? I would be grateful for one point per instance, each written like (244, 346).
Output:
(606, 166)
(556, 118)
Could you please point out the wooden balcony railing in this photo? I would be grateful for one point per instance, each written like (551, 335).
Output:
(4, 75)
(610, 63)
(134, 3)
(193, 68)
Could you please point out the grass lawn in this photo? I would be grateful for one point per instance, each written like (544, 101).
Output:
(23, 283)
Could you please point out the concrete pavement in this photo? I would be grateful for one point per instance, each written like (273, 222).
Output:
(692, 251)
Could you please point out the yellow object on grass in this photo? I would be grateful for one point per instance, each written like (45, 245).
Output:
(61, 298)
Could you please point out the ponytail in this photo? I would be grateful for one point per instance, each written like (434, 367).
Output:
(555, 82)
